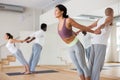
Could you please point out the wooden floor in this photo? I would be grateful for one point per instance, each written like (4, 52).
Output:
(65, 73)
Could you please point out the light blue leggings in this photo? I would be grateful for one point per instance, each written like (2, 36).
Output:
(20, 57)
(36, 50)
(77, 55)
(87, 50)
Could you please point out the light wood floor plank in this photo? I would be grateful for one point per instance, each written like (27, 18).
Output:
(64, 74)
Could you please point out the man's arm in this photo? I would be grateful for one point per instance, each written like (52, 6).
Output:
(30, 38)
(107, 21)
(26, 38)
(28, 41)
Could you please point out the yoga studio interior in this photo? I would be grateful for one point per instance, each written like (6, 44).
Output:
(21, 18)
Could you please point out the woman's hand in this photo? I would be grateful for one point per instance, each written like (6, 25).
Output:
(22, 41)
(97, 31)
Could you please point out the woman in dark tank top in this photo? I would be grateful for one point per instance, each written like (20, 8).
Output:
(65, 32)
(65, 25)
(69, 37)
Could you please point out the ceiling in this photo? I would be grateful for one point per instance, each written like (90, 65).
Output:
(37, 4)
(90, 7)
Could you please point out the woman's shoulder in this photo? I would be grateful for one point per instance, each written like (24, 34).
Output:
(10, 40)
(69, 20)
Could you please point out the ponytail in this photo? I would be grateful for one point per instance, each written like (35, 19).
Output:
(65, 16)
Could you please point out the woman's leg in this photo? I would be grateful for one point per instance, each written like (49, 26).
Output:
(21, 58)
(27, 69)
(75, 62)
(87, 50)
(80, 56)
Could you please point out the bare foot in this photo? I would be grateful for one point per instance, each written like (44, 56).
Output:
(23, 72)
(27, 73)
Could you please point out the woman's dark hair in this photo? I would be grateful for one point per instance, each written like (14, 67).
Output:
(9, 35)
(64, 9)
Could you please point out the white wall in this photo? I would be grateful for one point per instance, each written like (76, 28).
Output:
(48, 17)
(14, 22)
